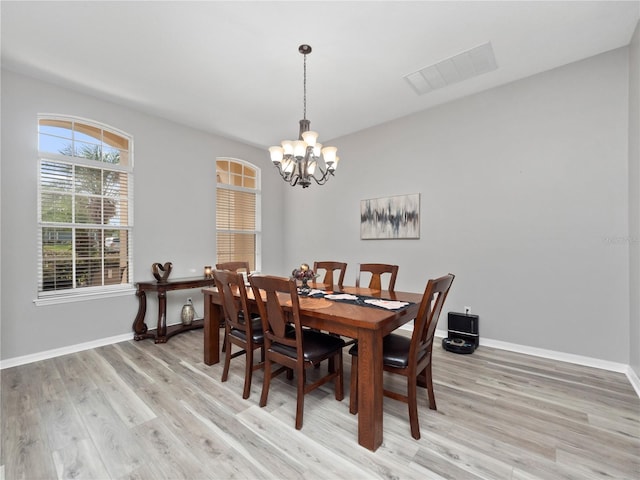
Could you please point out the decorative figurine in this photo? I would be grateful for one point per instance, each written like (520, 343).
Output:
(156, 268)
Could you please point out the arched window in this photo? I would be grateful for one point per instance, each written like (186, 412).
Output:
(238, 212)
(85, 207)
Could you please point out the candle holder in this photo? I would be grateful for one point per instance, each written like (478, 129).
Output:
(208, 272)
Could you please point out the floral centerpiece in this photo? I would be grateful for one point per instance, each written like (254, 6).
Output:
(304, 274)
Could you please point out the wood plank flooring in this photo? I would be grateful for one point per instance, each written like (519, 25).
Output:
(136, 410)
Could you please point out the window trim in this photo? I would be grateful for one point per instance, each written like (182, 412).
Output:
(108, 291)
(74, 294)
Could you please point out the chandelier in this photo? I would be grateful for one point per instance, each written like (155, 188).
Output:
(300, 161)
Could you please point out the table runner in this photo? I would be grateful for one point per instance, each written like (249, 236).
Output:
(361, 300)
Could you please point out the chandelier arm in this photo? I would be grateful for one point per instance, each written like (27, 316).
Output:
(288, 177)
(282, 173)
(322, 180)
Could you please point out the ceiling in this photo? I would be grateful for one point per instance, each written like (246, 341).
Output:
(233, 68)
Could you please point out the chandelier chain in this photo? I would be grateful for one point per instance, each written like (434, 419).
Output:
(304, 113)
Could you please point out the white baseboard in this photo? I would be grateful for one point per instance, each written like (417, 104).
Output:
(555, 355)
(58, 352)
(635, 381)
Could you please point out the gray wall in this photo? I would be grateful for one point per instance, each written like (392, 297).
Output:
(524, 196)
(174, 214)
(634, 200)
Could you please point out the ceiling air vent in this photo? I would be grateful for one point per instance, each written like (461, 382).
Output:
(471, 63)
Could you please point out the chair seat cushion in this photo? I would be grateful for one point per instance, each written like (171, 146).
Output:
(317, 346)
(252, 315)
(258, 334)
(395, 350)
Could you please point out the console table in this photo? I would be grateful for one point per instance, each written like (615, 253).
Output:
(162, 332)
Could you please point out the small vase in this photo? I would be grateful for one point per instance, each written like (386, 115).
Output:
(187, 314)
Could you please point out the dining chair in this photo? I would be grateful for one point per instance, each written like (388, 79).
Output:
(247, 335)
(329, 269)
(295, 350)
(377, 270)
(410, 357)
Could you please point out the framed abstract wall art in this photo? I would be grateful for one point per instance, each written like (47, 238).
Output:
(390, 217)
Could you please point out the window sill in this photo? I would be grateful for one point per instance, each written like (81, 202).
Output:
(83, 296)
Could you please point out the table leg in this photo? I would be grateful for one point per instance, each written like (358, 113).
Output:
(211, 331)
(161, 332)
(370, 389)
(139, 327)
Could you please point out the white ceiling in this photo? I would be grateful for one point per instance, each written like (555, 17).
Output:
(233, 68)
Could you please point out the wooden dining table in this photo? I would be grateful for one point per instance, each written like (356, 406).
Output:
(367, 324)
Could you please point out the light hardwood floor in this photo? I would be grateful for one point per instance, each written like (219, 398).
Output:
(136, 410)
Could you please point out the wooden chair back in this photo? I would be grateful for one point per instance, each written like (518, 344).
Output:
(234, 266)
(266, 290)
(377, 270)
(234, 299)
(330, 268)
(424, 326)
